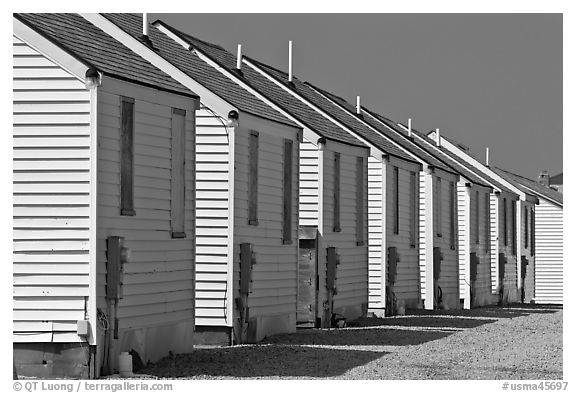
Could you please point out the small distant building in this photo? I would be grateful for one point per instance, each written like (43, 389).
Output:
(547, 242)
(557, 182)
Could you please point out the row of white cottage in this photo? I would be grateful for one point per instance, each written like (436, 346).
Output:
(167, 193)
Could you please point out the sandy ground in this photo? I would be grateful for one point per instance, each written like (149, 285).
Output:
(512, 342)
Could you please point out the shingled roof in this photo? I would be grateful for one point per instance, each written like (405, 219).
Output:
(87, 43)
(276, 94)
(392, 135)
(457, 164)
(531, 186)
(196, 68)
(309, 94)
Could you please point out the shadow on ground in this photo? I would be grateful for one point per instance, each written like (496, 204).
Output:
(261, 361)
(430, 321)
(497, 312)
(358, 337)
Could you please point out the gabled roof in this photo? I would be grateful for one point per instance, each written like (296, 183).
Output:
(196, 68)
(283, 99)
(425, 144)
(87, 43)
(498, 183)
(309, 94)
(399, 139)
(531, 185)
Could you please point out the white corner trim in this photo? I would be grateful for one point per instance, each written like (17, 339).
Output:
(208, 98)
(52, 51)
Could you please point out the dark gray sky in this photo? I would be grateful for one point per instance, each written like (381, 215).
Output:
(484, 79)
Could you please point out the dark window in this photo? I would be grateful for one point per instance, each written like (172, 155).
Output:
(287, 197)
(505, 219)
(453, 214)
(395, 200)
(337, 192)
(526, 227)
(127, 157)
(360, 170)
(253, 179)
(413, 209)
(477, 216)
(437, 203)
(177, 180)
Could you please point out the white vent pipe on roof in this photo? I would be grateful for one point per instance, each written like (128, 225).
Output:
(289, 61)
(358, 107)
(487, 156)
(438, 137)
(239, 57)
(145, 24)
(410, 127)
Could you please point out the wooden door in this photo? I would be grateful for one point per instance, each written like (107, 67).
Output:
(307, 273)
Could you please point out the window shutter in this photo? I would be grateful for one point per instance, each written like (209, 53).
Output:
(452, 190)
(438, 207)
(396, 201)
(287, 197)
(253, 178)
(177, 198)
(477, 216)
(360, 201)
(127, 157)
(526, 227)
(413, 208)
(337, 192)
(505, 218)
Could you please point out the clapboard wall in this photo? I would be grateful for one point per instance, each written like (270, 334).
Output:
(549, 247)
(406, 286)
(272, 300)
(51, 199)
(213, 223)
(376, 267)
(156, 313)
(351, 299)
(309, 177)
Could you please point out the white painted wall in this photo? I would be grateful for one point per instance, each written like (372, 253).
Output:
(352, 272)
(156, 313)
(51, 196)
(213, 221)
(272, 301)
(309, 176)
(549, 253)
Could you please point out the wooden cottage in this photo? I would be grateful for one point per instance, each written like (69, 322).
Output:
(391, 165)
(103, 192)
(333, 218)
(246, 193)
(474, 222)
(413, 273)
(510, 255)
(473, 277)
(543, 233)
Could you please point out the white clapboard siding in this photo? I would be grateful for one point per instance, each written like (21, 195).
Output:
(352, 271)
(494, 240)
(213, 220)
(159, 266)
(449, 272)
(274, 274)
(51, 200)
(406, 286)
(375, 267)
(422, 232)
(464, 208)
(308, 183)
(549, 252)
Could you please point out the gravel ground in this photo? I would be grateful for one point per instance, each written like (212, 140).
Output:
(512, 342)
